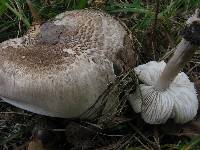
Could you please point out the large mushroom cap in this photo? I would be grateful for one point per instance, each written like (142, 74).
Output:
(62, 68)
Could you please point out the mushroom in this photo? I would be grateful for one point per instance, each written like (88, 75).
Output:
(63, 67)
(166, 93)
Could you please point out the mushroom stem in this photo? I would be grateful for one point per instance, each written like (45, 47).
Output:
(184, 52)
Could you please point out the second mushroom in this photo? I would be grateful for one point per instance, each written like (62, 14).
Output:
(167, 92)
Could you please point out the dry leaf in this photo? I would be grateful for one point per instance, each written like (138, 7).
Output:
(35, 145)
(191, 129)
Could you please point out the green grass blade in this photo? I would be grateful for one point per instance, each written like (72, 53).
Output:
(81, 4)
(19, 15)
(3, 7)
(192, 143)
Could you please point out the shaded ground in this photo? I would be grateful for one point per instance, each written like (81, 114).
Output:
(156, 25)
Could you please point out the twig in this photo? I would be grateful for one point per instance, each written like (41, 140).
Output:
(100, 133)
(17, 113)
(156, 138)
(196, 65)
(144, 137)
(136, 138)
(36, 17)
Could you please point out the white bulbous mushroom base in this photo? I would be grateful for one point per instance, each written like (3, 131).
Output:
(179, 101)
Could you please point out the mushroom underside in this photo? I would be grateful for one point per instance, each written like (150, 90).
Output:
(157, 106)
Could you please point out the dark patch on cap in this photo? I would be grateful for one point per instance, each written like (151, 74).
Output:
(37, 56)
(50, 33)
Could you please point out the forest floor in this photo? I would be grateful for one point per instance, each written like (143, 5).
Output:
(156, 26)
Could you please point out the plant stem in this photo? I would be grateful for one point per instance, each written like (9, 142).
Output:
(34, 12)
(184, 52)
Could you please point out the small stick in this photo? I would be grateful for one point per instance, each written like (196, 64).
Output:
(15, 113)
(36, 17)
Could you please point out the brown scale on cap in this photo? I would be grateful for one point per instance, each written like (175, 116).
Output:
(37, 57)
